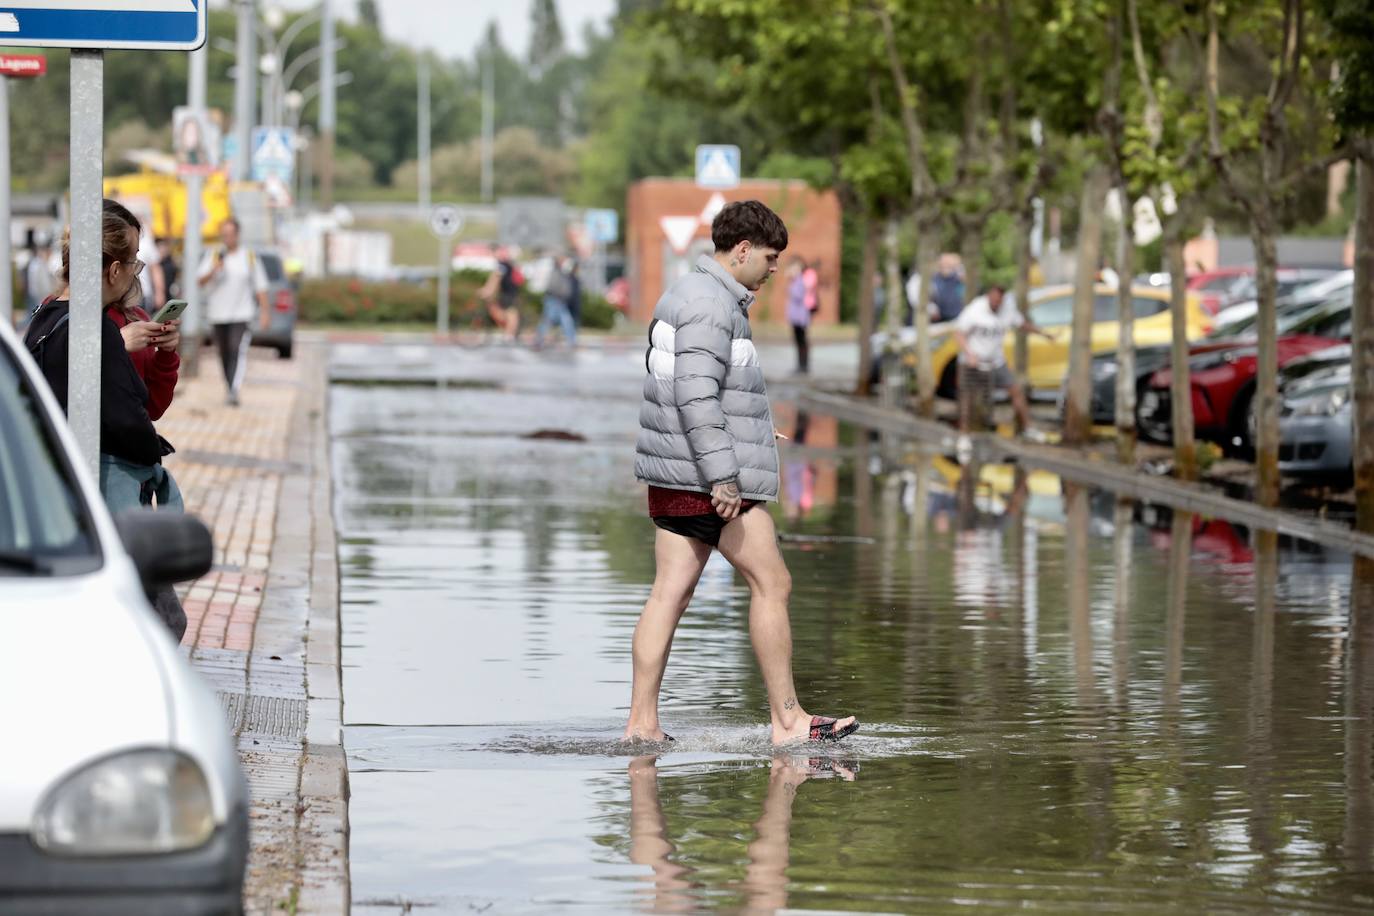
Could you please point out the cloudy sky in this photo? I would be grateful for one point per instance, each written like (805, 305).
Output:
(454, 27)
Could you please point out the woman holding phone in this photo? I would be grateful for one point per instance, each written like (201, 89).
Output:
(131, 451)
(152, 345)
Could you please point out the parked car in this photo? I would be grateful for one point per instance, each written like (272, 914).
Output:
(1051, 308)
(1316, 423)
(1149, 360)
(1222, 376)
(1297, 289)
(1218, 288)
(121, 791)
(281, 296)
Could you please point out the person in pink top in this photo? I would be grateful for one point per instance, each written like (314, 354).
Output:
(803, 297)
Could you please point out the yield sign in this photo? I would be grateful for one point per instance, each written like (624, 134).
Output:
(679, 231)
(713, 207)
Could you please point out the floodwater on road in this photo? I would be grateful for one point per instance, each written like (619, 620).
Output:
(1068, 703)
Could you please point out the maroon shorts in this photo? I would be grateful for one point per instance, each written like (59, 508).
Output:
(689, 514)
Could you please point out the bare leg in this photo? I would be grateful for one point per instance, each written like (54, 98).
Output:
(678, 564)
(1021, 405)
(750, 543)
(649, 843)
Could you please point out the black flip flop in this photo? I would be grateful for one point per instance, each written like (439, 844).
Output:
(823, 729)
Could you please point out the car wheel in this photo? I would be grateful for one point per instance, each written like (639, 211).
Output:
(949, 381)
(1243, 425)
(1147, 429)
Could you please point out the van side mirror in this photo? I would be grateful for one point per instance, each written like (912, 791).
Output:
(166, 547)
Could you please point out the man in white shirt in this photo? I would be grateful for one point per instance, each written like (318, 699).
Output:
(150, 278)
(236, 296)
(981, 330)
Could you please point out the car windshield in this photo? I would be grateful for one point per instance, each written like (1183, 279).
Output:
(44, 528)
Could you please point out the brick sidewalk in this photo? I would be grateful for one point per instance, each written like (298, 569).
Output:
(263, 623)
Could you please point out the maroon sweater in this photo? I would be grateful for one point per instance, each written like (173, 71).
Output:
(157, 368)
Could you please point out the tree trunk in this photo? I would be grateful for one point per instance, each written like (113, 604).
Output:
(927, 253)
(1125, 338)
(1180, 386)
(1265, 401)
(892, 274)
(1363, 338)
(971, 251)
(867, 318)
(1078, 404)
(1021, 296)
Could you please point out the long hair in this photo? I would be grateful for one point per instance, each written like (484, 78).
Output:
(115, 223)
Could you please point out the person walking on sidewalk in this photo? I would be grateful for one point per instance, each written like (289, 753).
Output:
(707, 450)
(558, 303)
(801, 303)
(237, 296)
(981, 331)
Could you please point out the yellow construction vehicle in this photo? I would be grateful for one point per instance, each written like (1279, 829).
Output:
(157, 194)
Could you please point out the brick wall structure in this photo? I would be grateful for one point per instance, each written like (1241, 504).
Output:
(813, 227)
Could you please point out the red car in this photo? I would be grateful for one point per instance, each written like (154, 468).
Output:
(1223, 376)
(1214, 286)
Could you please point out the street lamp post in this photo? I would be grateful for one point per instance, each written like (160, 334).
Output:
(243, 87)
(423, 129)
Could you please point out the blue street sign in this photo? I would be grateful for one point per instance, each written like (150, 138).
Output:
(602, 226)
(718, 166)
(274, 153)
(153, 25)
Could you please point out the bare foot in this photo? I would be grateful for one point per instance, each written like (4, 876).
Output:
(645, 733)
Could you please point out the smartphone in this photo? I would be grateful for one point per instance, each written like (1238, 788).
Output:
(172, 310)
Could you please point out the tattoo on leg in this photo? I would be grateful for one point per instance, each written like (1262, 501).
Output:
(790, 703)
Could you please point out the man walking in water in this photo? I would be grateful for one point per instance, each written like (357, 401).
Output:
(706, 449)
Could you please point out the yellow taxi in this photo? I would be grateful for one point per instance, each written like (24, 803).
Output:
(1051, 308)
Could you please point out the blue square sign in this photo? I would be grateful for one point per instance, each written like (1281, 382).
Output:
(602, 225)
(718, 166)
(156, 25)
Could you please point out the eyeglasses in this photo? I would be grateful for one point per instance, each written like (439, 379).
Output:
(136, 266)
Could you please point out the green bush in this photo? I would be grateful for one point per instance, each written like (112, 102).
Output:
(343, 300)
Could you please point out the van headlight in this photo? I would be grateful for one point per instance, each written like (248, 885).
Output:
(135, 803)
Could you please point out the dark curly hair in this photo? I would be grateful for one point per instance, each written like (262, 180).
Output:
(748, 220)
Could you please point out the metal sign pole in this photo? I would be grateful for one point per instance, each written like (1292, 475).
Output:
(445, 267)
(193, 321)
(6, 256)
(87, 312)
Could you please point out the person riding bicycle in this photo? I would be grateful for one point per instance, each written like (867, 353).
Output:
(501, 293)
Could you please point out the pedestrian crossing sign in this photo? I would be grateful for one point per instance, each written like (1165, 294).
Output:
(718, 166)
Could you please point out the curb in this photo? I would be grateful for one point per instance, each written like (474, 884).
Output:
(299, 624)
(1176, 494)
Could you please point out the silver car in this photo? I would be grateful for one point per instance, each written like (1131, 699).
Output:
(121, 790)
(1316, 431)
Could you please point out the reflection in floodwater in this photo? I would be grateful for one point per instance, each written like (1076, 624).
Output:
(1075, 702)
(764, 885)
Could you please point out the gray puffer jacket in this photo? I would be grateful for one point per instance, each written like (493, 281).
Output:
(705, 418)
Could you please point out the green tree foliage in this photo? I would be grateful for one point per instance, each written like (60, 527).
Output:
(524, 166)
(369, 15)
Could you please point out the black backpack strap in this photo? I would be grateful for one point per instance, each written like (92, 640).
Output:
(36, 348)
